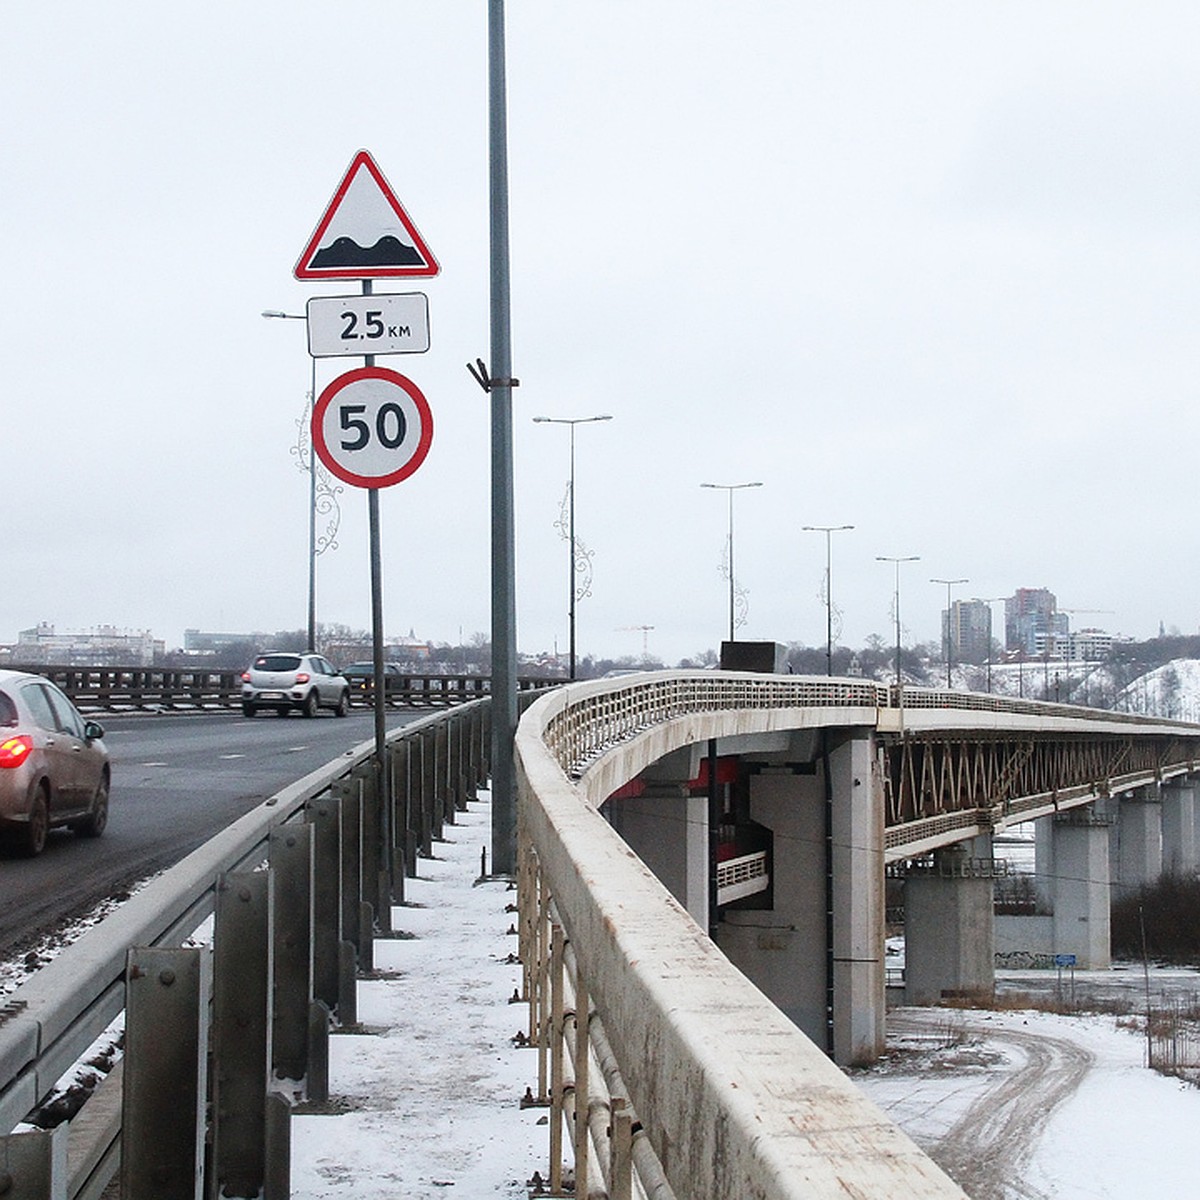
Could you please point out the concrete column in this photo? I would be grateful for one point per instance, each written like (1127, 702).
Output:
(785, 951)
(668, 830)
(1081, 889)
(1043, 862)
(1139, 838)
(859, 970)
(949, 929)
(1179, 827)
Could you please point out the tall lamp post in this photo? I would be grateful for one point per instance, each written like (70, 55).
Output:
(571, 422)
(828, 531)
(949, 640)
(989, 601)
(731, 488)
(897, 562)
(276, 314)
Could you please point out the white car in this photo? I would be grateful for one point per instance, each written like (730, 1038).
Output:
(284, 681)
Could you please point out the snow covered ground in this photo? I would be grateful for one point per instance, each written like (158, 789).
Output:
(426, 1101)
(1029, 1105)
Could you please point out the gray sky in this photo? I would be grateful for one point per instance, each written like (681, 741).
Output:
(928, 269)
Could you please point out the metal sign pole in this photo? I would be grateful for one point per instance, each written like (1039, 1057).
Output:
(383, 775)
(504, 605)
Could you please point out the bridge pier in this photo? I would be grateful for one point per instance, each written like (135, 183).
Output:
(1081, 888)
(1179, 826)
(1139, 838)
(668, 830)
(785, 951)
(949, 934)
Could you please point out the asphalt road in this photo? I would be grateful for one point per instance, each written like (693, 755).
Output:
(176, 781)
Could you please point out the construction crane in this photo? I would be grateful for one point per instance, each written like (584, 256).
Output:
(644, 630)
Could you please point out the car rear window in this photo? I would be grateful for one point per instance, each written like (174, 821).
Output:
(277, 662)
(8, 710)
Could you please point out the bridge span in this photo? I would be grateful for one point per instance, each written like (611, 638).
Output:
(763, 810)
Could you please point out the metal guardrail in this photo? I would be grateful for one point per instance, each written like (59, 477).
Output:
(302, 883)
(105, 689)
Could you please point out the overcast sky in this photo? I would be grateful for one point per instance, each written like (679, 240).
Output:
(929, 269)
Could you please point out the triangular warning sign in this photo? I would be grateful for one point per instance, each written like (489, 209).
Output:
(365, 232)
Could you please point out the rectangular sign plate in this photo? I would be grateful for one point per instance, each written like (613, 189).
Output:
(382, 323)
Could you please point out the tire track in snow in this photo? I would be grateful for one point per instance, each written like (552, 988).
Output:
(988, 1150)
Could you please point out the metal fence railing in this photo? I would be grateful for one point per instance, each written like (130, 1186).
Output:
(108, 689)
(303, 883)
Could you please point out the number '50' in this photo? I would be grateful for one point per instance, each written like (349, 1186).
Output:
(390, 425)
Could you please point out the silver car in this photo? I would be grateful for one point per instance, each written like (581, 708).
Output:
(53, 764)
(285, 681)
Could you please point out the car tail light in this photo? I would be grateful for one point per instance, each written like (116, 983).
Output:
(302, 677)
(245, 676)
(15, 750)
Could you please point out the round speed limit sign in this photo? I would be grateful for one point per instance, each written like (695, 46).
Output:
(372, 427)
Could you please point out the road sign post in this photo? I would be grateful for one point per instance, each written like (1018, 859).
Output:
(371, 427)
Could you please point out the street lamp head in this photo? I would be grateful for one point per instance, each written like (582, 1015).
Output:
(824, 528)
(275, 313)
(732, 487)
(571, 420)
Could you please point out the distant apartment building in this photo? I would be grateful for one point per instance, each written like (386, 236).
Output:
(1032, 622)
(967, 628)
(104, 646)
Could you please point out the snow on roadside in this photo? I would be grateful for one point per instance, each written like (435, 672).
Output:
(1126, 1132)
(433, 1088)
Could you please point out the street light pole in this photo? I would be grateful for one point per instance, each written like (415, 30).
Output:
(989, 601)
(828, 531)
(898, 561)
(571, 422)
(949, 642)
(731, 488)
(273, 313)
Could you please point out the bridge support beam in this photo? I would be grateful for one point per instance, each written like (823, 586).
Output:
(785, 951)
(949, 932)
(1179, 826)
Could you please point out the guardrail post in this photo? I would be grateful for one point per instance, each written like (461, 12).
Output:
(322, 815)
(441, 743)
(620, 1185)
(242, 1003)
(291, 857)
(375, 865)
(407, 829)
(557, 979)
(356, 924)
(165, 1073)
(33, 1164)
(430, 805)
(582, 1132)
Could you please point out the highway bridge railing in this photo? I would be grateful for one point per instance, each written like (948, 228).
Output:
(115, 689)
(296, 891)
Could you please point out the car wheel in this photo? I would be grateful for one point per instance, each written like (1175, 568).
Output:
(93, 825)
(32, 838)
(310, 704)
(248, 709)
(343, 705)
